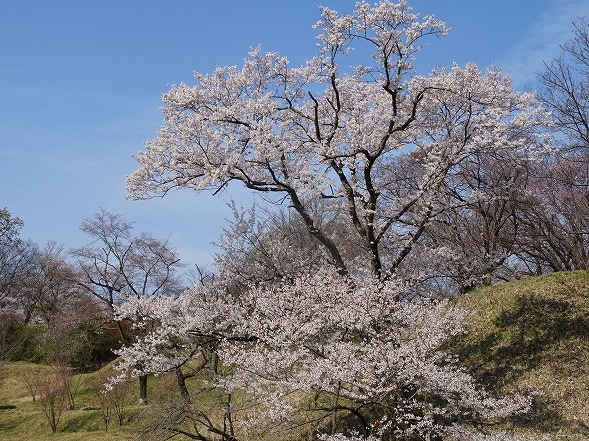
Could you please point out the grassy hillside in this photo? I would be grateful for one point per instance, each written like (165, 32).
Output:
(533, 336)
(529, 336)
(22, 419)
(26, 421)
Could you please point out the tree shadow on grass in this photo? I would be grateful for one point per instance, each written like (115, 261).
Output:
(80, 422)
(537, 336)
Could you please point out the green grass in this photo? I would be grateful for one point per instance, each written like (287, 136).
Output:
(26, 420)
(533, 336)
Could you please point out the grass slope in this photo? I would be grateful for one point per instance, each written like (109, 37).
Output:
(26, 421)
(533, 336)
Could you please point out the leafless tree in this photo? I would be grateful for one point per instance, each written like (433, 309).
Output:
(112, 399)
(565, 89)
(32, 377)
(49, 284)
(555, 223)
(52, 396)
(479, 225)
(117, 265)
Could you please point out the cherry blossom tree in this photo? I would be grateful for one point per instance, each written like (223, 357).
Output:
(324, 354)
(326, 131)
(330, 342)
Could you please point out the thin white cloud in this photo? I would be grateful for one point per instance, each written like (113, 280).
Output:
(541, 43)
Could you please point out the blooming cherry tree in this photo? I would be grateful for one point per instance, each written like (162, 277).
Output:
(326, 130)
(329, 355)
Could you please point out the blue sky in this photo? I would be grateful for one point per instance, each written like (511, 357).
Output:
(81, 85)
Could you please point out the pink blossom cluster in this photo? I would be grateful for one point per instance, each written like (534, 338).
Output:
(326, 343)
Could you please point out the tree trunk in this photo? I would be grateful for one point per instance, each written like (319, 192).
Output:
(182, 385)
(143, 389)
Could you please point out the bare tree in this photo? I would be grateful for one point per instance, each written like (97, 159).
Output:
(554, 224)
(32, 377)
(479, 227)
(52, 396)
(565, 89)
(112, 399)
(117, 265)
(48, 285)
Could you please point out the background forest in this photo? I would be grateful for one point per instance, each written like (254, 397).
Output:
(341, 304)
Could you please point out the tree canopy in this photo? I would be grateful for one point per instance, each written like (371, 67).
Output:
(376, 138)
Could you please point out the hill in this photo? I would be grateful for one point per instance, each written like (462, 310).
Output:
(533, 336)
